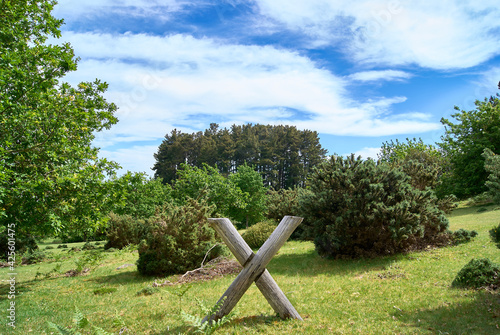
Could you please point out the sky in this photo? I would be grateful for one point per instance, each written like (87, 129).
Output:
(360, 73)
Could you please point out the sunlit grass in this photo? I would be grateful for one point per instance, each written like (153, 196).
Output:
(404, 294)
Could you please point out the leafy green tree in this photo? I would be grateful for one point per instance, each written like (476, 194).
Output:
(464, 142)
(422, 162)
(50, 175)
(492, 166)
(137, 195)
(207, 184)
(249, 182)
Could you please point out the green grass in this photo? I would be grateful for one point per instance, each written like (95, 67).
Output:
(404, 294)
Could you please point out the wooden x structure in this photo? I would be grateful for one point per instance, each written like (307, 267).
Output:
(254, 267)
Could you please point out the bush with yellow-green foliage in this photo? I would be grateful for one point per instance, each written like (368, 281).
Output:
(177, 240)
(256, 235)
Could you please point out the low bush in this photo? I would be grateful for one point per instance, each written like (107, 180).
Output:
(148, 291)
(365, 209)
(478, 273)
(88, 246)
(495, 235)
(123, 230)
(256, 235)
(463, 236)
(23, 244)
(177, 240)
(34, 256)
(287, 202)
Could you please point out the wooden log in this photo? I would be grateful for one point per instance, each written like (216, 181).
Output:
(265, 283)
(256, 266)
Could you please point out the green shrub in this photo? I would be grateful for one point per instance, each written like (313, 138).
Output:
(34, 256)
(287, 202)
(88, 246)
(256, 235)
(463, 236)
(62, 246)
(23, 244)
(104, 290)
(123, 230)
(495, 235)
(49, 247)
(177, 240)
(148, 291)
(363, 209)
(492, 167)
(478, 273)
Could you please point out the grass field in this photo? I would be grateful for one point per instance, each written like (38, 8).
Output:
(405, 294)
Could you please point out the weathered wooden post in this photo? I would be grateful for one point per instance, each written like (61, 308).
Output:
(254, 267)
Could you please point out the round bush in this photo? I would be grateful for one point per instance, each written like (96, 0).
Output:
(364, 209)
(495, 235)
(478, 273)
(177, 240)
(256, 235)
(123, 230)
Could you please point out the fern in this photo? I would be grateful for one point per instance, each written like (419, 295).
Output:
(207, 326)
(80, 322)
(61, 330)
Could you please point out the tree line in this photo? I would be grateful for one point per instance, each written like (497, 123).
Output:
(283, 155)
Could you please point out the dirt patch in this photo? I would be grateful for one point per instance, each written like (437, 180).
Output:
(216, 268)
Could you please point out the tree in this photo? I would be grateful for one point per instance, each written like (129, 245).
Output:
(207, 184)
(249, 182)
(50, 175)
(283, 155)
(137, 195)
(492, 166)
(423, 163)
(464, 143)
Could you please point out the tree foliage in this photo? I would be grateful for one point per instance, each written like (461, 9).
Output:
(492, 166)
(283, 155)
(137, 195)
(423, 163)
(360, 208)
(50, 175)
(249, 182)
(464, 142)
(207, 184)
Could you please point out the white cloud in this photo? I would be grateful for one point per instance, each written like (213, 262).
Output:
(162, 82)
(387, 75)
(435, 34)
(69, 9)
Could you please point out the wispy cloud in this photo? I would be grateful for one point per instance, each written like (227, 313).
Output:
(441, 35)
(386, 75)
(160, 82)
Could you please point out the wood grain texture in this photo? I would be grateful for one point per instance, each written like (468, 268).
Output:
(265, 283)
(254, 268)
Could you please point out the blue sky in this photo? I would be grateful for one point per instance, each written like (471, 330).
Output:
(358, 72)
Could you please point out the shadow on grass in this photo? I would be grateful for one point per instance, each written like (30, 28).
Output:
(472, 210)
(254, 322)
(311, 264)
(127, 277)
(481, 316)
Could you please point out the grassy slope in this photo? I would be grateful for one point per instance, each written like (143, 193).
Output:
(406, 294)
